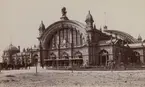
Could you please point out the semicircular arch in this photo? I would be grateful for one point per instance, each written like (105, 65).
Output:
(52, 29)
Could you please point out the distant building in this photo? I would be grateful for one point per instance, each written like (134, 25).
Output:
(14, 58)
(71, 43)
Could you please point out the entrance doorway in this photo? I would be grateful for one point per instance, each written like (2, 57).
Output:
(103, 58)
(135, 59)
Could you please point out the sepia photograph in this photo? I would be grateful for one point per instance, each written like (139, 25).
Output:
(72, 43)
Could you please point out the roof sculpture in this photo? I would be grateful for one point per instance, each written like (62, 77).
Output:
(63, 11)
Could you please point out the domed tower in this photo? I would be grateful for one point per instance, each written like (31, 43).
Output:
(11, 49)
(8, 52)
(41, 29)
(89, 21)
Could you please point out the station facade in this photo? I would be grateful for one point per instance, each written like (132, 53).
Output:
(70, 42)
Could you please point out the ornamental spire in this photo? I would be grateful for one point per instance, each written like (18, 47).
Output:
(41, 28)
(105, 21)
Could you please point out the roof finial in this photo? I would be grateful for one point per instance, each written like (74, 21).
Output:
(105, 20)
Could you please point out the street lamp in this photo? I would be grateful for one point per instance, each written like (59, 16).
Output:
(36, 62)
(72, 57)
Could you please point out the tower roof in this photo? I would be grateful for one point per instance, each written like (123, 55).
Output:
(89, 18)
(11, 48)
(42, 26)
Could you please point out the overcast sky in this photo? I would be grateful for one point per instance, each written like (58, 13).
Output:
(20, 19)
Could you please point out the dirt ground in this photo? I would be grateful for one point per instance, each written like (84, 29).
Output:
(56, 78)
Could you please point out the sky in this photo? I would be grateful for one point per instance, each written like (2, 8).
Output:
(20, 19)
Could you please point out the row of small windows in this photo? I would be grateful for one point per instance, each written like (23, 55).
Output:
(65, 55)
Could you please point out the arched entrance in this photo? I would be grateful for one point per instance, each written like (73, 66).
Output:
(103, 58)
(78, 59)
(52, 61)
(135, 59)
(64, 59)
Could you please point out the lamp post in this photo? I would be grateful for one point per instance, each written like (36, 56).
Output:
(41, 56)
(58, 46)
(36, 62)
(72, 57)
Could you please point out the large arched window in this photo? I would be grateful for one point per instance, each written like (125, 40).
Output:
(63, 38)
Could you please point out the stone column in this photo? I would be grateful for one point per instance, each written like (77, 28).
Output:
(141, 59)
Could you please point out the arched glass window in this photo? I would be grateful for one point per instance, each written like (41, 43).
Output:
(63, 39)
